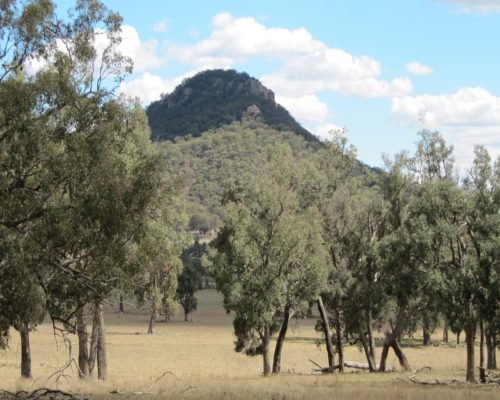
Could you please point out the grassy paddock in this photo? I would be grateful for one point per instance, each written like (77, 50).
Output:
(196, 360)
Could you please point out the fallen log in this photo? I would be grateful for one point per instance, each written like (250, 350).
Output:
(347, 364)
(41, 394)
(322, 370)
(357, 365)
(433, 382)
(490, 377)
(424, 368)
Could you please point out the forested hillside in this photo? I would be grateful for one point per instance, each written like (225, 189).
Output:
(206, 164)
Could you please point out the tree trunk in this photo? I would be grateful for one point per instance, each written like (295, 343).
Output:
(326, 332)
(427, 337)
(281, 339)
(470, 333)
(458, 337)
(391, 340)
(383, 357)
(371, 362)
(371, 339)
(83, 350)
(482, 371)
(93, 341)
(151, 322)
(102, 365)
(265, 350)
(403, 361)
(25, 351)
(338, 331)
(491, 354)
(445, 332)
(121, 307)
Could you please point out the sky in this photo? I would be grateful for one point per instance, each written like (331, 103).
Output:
(382, 70)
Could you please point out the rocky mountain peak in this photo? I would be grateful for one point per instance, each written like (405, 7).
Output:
(214, 98)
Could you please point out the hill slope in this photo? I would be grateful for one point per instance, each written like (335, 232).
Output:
(215, 98)
(206, 163)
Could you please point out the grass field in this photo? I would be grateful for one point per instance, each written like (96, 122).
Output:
(196, 360)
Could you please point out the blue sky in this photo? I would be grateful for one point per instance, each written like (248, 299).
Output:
(381, 69)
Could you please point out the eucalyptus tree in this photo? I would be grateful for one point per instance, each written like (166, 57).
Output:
(158, 253)
(267, 259)
(328, 190)
(363, 226)
(188, 283)
(79, 177)
(399, 272)
(40, 111)
(441, 216)
(483, 229)
(25, 31)
(22, 306)
(353, 220)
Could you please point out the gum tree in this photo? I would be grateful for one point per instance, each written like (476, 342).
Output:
(267, 260)
(79, 177)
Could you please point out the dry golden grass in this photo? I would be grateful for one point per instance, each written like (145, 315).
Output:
(202, 364)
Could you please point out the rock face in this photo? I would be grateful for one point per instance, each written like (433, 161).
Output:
(218, 83)
(214, 98)
(252, 112)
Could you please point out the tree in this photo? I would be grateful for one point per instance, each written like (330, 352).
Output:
(22, 305)
(483, 228)
(55, 103)
(159, 251)
(440, 216)
(352, 221)
(188, 283)
(80, 179)
(267, 259)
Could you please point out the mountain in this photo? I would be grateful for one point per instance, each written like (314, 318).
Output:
(215, 98)
(217, 126)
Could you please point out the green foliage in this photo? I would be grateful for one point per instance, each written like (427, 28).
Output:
(59, 113)
(208, 162)
(188, 283)
(82, 188)
(268, 254)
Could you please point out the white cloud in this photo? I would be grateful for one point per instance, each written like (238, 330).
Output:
(417, 68)
(464, 140)
(308, 65)
(149, 88)
(475, 6)
(306, 109)
(235, 40)
(372, 87)
(466, 107)
(143, 54)
(366, 87)
(467, 117)
(324, 132)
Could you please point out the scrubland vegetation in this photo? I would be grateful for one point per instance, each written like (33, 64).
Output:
(202, 364)
(315, 255)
